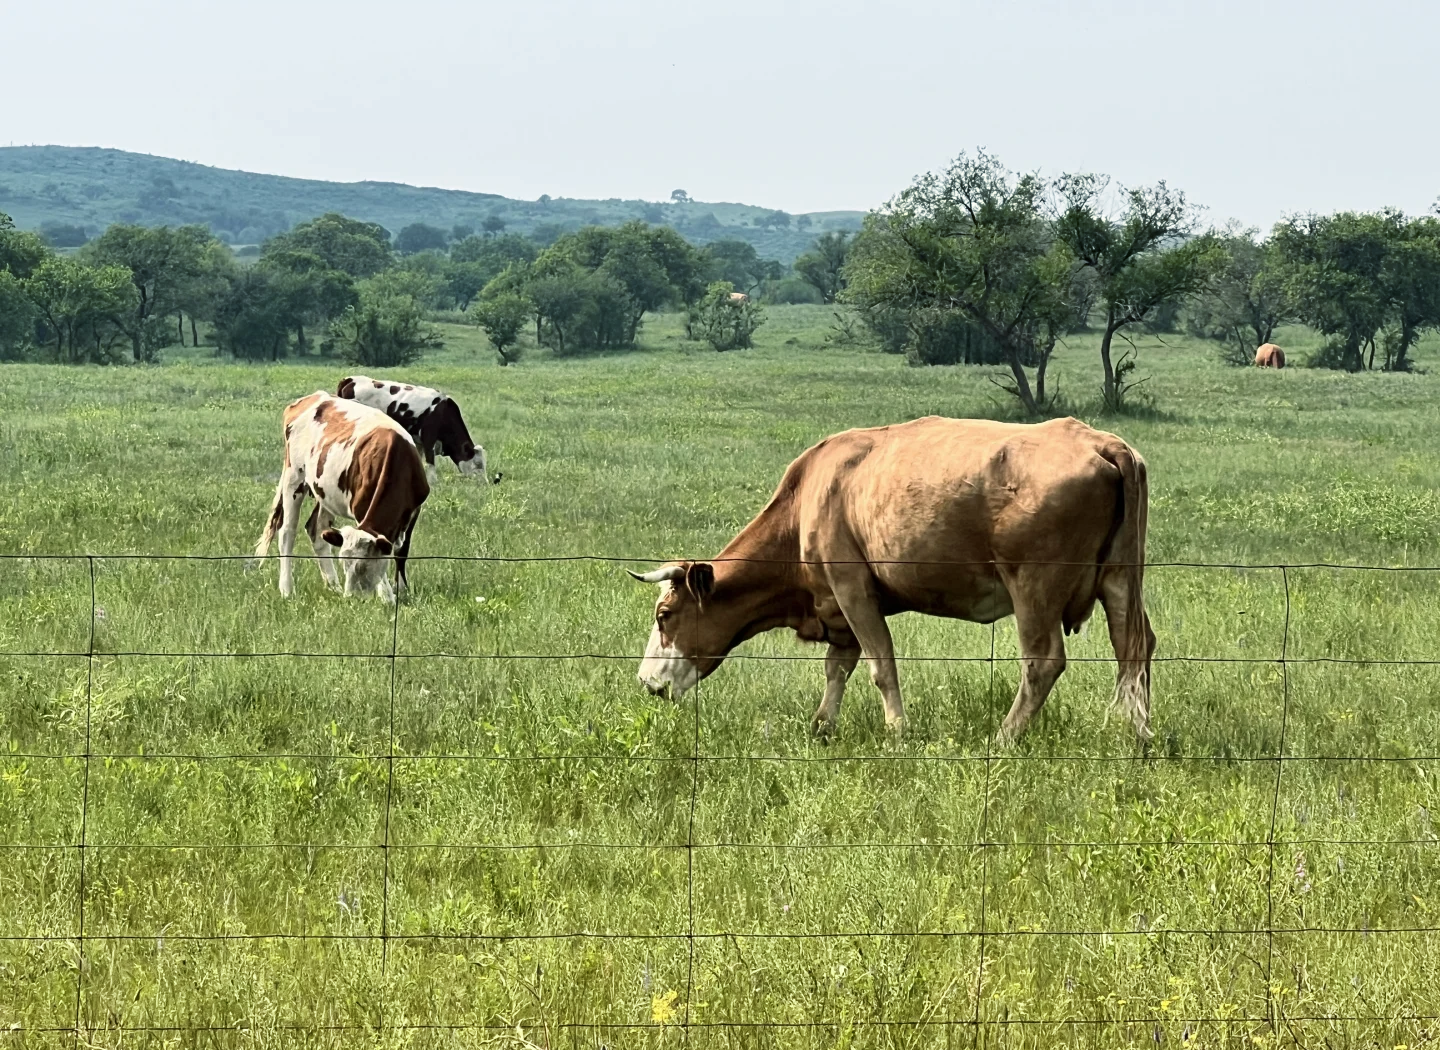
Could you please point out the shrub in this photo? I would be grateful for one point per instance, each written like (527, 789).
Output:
(791, 290)
(502, 317)
(386, 329)
(726, 323)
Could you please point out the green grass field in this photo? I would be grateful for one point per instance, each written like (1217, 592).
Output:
(239, 830)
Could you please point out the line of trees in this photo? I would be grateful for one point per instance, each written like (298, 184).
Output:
(979, 264)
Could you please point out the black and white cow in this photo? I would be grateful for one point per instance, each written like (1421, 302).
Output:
(430, 417)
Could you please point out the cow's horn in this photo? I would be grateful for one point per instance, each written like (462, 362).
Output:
(660, 575)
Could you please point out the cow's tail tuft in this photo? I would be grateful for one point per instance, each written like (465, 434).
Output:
(1125, 589)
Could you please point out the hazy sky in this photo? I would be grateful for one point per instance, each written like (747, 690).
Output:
(1253, 108)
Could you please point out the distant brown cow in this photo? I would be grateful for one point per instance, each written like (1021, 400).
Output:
(1269, 356)
(962, 518)
(739, 297)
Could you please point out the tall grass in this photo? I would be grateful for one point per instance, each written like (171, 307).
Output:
(241, 825)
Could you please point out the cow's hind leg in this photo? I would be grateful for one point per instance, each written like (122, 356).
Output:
(840, 661)
(402, 554)
(291, 499)
(1134, 644)
(1042, 655)
(320, 520)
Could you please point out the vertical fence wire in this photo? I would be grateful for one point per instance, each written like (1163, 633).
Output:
(80, 960)
(1270, 998)
(690, 848)
(984, 839)
(389, 806)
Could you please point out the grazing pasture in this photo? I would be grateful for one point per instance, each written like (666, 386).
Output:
(248, 809)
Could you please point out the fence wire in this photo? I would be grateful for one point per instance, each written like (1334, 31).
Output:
(977, 1023)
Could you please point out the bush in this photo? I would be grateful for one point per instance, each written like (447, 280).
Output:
(725, 322)
(502, 317)
(791, 290)
(386, 329)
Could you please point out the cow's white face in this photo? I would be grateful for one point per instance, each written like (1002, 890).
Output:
(685, 644)
(365, 559)
(475, 466)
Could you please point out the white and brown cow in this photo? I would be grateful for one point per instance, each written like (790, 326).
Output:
(428, 416)
(357, 463)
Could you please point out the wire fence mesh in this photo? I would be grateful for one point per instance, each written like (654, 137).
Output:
(985, 843)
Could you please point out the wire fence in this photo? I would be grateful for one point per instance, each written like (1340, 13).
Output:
(975, 1025)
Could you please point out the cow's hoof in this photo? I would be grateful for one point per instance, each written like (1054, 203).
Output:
(822, 729)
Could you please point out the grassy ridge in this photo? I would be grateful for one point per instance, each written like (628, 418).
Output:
(528, 799)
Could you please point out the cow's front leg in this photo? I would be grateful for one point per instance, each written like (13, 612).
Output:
(840, 661)
(867, 623)
(320, 520)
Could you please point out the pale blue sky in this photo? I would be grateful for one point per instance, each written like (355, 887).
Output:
(1253, 108)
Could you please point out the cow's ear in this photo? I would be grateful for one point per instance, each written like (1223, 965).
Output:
(700, 580)
(333, 537)
(346, 389)
(383, 546)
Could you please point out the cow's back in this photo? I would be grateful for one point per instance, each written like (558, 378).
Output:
(933, 503)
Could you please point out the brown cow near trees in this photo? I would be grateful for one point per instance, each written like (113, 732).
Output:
(1269, 356)
(961, 518)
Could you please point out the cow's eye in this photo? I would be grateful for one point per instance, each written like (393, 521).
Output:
(662, 616)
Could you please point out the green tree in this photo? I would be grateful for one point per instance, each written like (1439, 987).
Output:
(493, 225)
(420, 237)
(739, 263)
(1336, 267)
(201, 289)
(823, 266)
(1247, 299)
(63, 235)
(17, 318)
(724, 321)
(460, 231)
(306, 290)
(386, 328)
(82, 307)
(973, 240)
(161, 261)
(1412, 283)
(253, 320)
(361, 249)
(774, 219)
(21, 252)
(622, 273)
(503, 316)
(1143, 257)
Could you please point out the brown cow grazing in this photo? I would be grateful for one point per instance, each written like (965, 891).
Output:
(1269, 356)
(962, 518)
(357, 463)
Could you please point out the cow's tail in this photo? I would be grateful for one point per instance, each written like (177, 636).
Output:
(272, 526)
(1123, 591)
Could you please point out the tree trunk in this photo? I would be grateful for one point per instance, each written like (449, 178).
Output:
(194, 334)
(1022, 382)
(180, 325)
(135, 345)
(1371, 365)
(300, 339)
(1111, 327)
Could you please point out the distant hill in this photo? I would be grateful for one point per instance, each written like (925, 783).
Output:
(92, 188)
